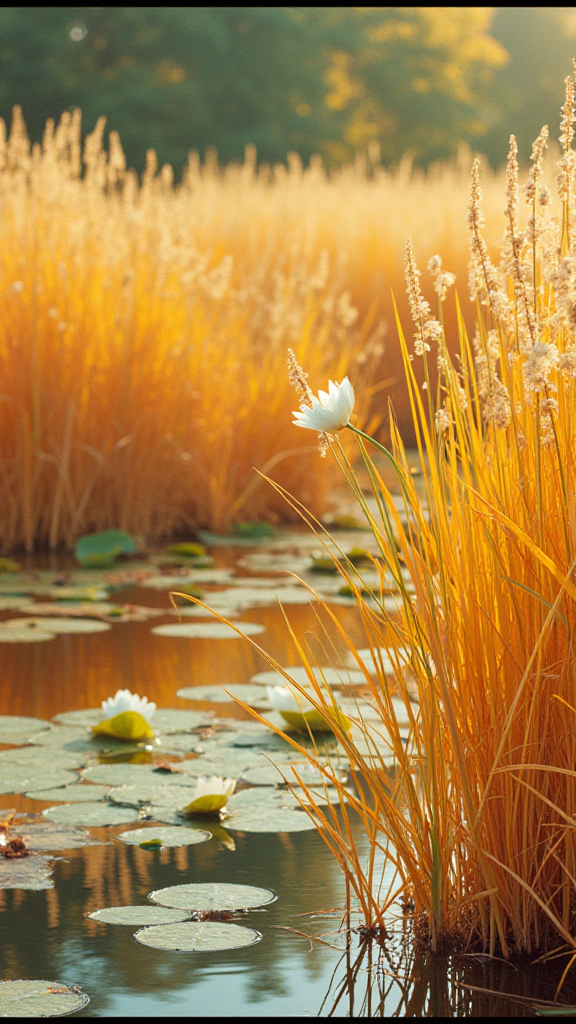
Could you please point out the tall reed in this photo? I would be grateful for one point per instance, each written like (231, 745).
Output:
(478, 814)
(143, 327)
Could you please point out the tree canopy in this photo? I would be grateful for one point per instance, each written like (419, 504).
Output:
(417, 80)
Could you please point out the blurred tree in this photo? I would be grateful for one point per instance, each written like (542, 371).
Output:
(528, 92)
(413, 79)
(328, 79)
(170, 78)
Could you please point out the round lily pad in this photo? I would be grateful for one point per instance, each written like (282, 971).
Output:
(207, 630)
(40, 999)
(267, 819)
(24, 635)
(91, 814)
(168, 721)
(19, 778)
(138, 916)
(70, 794)
(212, 896)
(82, 717)
(335, 678)
(18, 728)
(125, 775)
(178, 836)
(58, 625)
(253, 695)
(197, 936)
(168, 796)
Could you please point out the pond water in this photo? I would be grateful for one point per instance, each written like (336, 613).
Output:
(45, 934)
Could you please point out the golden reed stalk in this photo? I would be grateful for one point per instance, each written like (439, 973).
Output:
(478, 814)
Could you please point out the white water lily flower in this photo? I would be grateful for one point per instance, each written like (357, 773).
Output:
(331, 411)
(124, 700)
(299, 713)
(283, 699)
(210, 795)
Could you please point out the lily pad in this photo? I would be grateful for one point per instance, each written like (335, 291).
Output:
(197, 936)
(33, 873)
(23, 635)
(125, 775)
(268, 774)
(138, 916)
(178, 582)
(266, 819)
(82, 717)
(19, 728)
(102, 549)
(179, 836)
(170, 796)
(335, 678)
(253, 695)
(383, 658)
(35, 757)
(70, 794)
(41, 835)
(57, 625)
(168, 721)
(93, 815)
(207, 630)
(18, 780)
(212, 896)
(40, 999)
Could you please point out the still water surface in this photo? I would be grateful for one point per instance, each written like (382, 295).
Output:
(46, 935)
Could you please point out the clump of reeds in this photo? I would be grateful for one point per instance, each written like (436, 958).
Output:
(144, 324)
(478, 813)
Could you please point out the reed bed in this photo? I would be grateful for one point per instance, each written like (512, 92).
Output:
(477, 815)
(144, 324)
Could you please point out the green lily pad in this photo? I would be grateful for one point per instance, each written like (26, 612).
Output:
(24, 635)
(93, 815)
(70, 794)
(188, 548)
(256, 530)
(125, 775)
(183, 742)
(335, 678)
(40, 758)
(179, 836)
(170, 796)
(33, 873)
(168, 721)
(212, 896)
(83, 717)
(262, 797)
(197, 936)
(207, 630)
(40, 999)
(102, 549)
(137, 916)
(267, 819)
(19, 728)
(41, 835)
(57, 625)
(178, 583)
(253, 695)
(19, 780)
(383, 658)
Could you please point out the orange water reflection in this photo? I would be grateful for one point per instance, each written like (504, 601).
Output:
(77, 671)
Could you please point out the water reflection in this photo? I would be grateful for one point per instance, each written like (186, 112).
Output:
(55, 940)
(393, 979)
